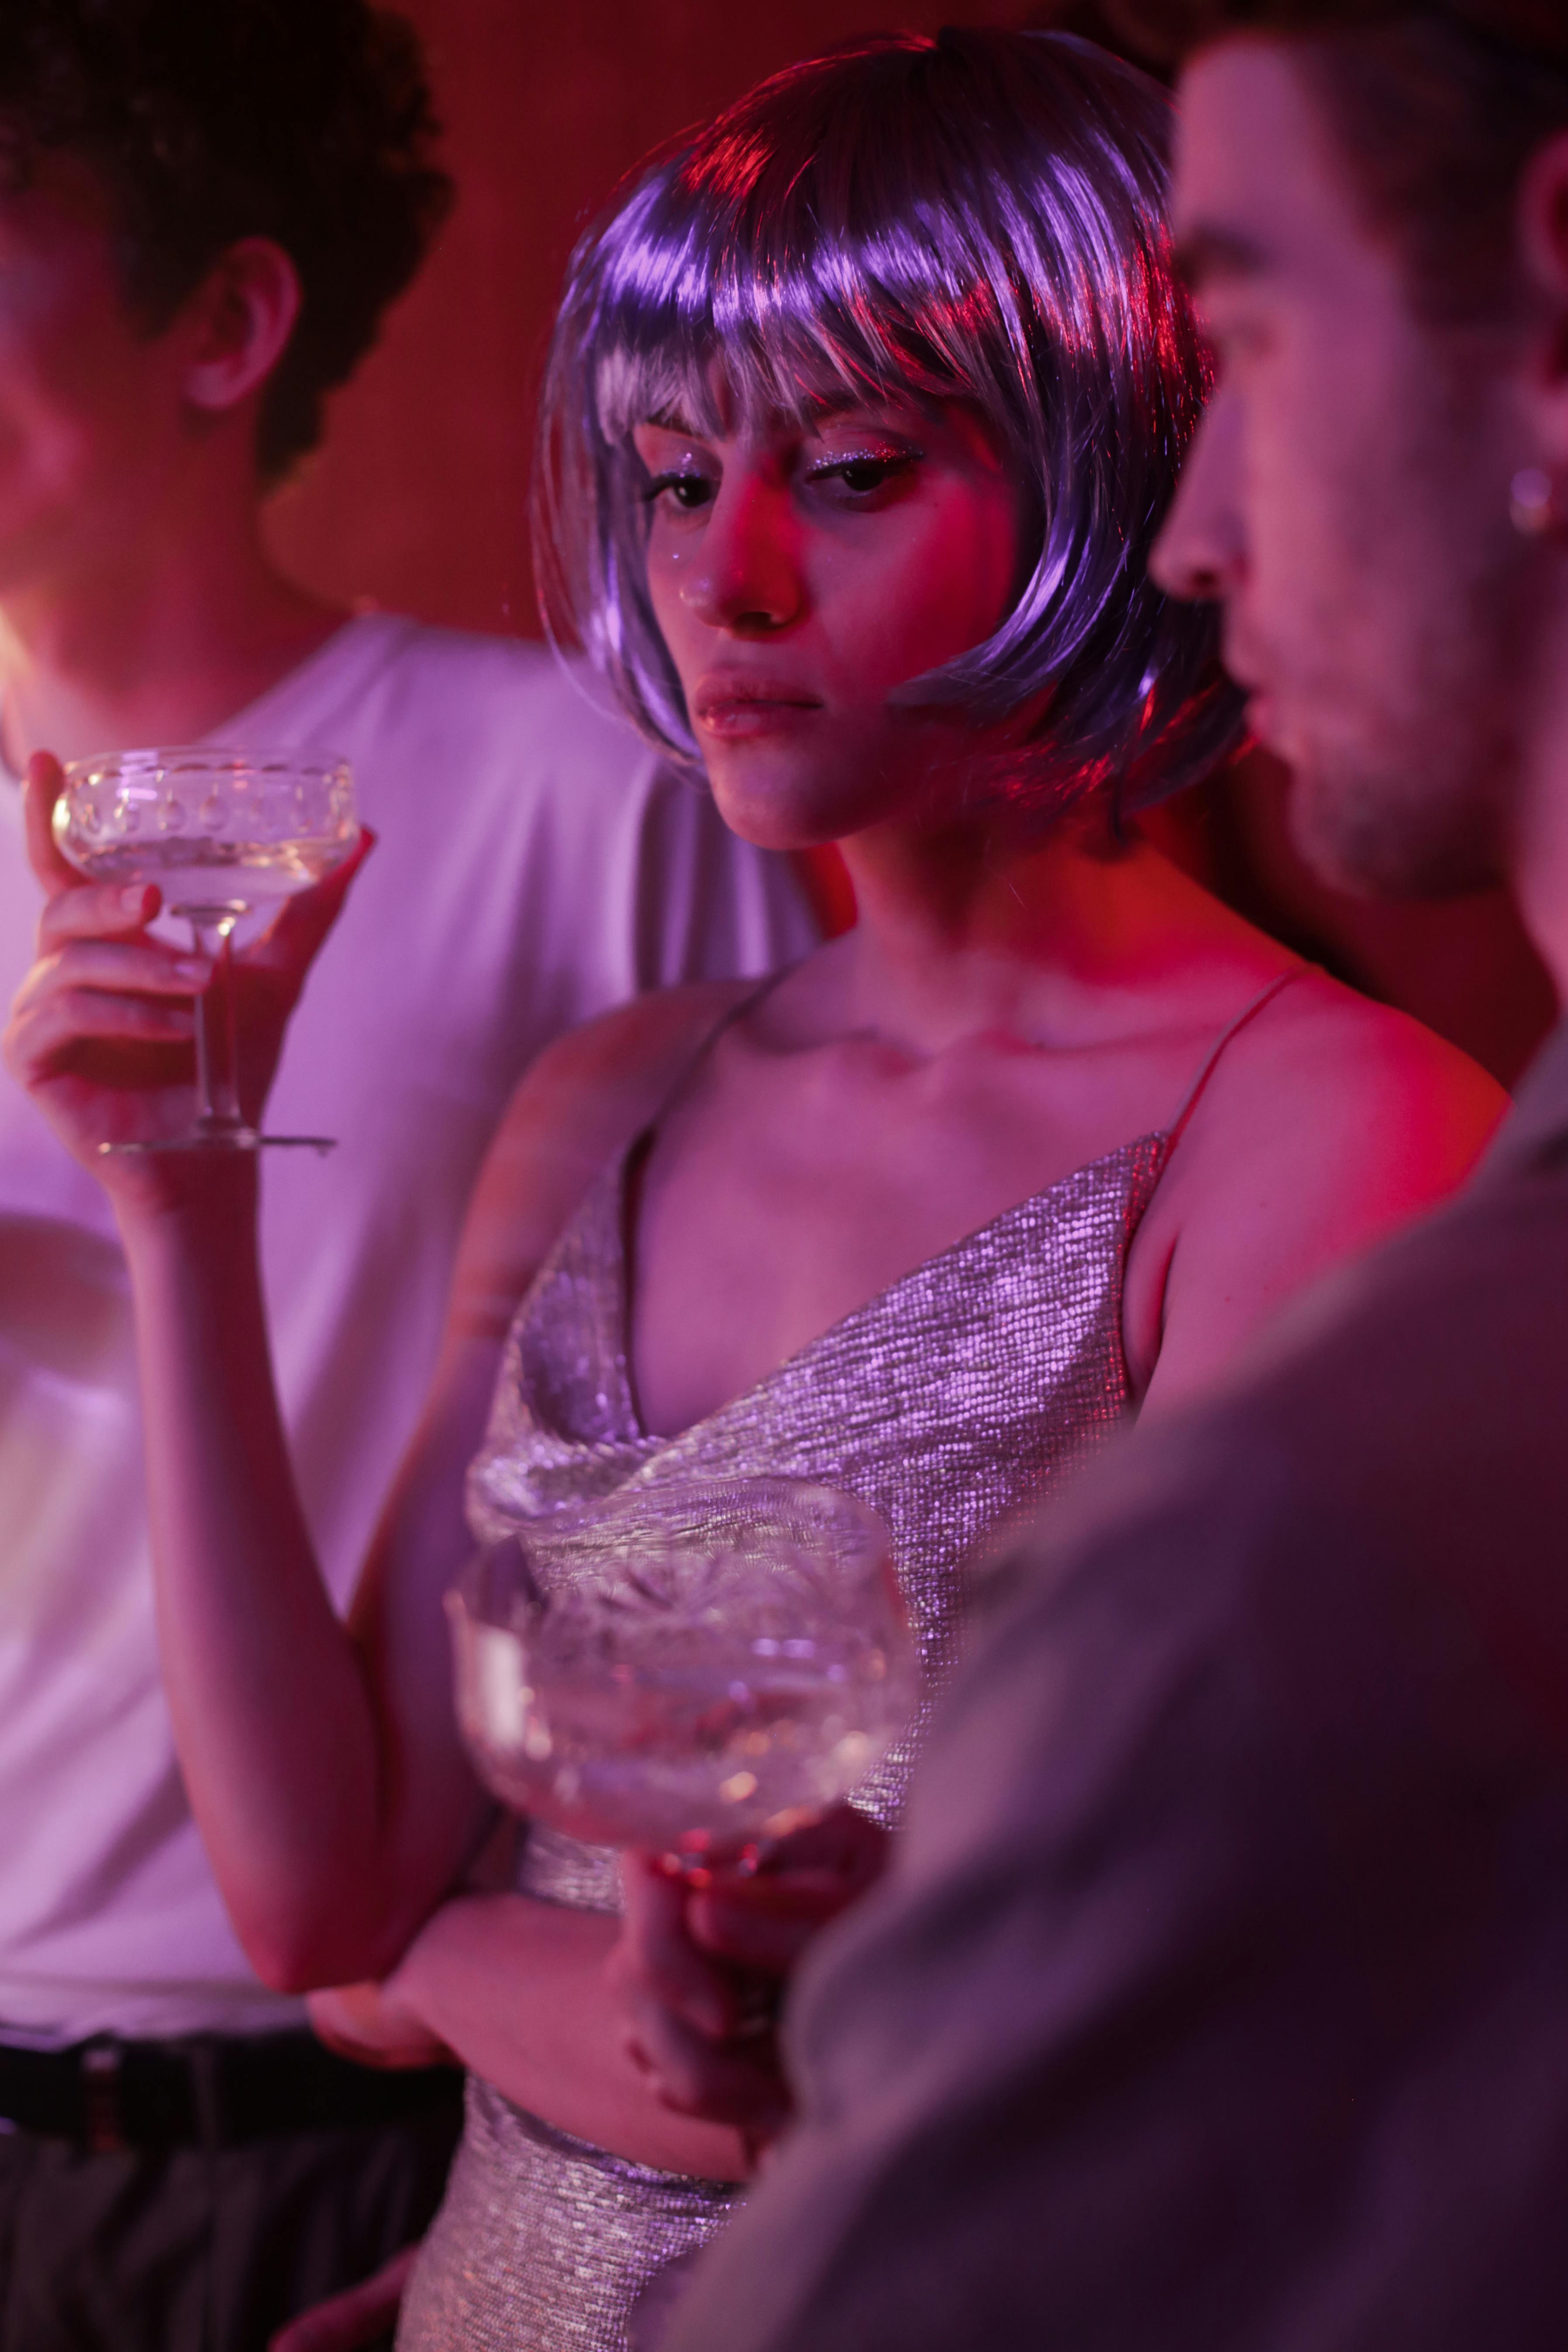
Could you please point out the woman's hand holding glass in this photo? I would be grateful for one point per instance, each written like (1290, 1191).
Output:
(698, 1674)
(702, 1970)
(102, 1031)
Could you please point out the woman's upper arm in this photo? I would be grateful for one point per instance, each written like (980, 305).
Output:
(585, 1098)
(1319, 1134)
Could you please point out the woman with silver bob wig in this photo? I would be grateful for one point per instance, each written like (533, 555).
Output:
(972, 220)
(866, 406)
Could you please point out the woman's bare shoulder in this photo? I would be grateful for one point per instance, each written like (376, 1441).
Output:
(1320, 1056)
(1328, 1122)
(585, 1098)
(610, 1076)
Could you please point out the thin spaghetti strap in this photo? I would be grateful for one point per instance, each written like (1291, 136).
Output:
(1250, 1013)
(705, 1045)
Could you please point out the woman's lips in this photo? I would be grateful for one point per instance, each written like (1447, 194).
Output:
(737, 710)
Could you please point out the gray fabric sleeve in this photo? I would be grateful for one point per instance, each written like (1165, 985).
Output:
(1215, 2000)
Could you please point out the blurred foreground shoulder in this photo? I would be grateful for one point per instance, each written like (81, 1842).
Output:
(1246, 1789)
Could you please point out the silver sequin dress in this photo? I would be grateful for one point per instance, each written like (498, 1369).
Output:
(963, 1389)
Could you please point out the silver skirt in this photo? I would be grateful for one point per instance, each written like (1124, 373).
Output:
(545, 2243)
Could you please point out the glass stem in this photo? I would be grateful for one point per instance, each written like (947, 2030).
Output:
(217, 1094)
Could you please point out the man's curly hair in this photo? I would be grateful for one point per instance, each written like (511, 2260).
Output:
(309, 121)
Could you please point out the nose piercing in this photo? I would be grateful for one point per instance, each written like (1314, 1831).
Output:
(1533, 503)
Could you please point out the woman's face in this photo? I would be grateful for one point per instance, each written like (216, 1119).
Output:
(801, 573)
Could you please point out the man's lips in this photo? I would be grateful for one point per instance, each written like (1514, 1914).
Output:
(750, 706)
(1247, 672)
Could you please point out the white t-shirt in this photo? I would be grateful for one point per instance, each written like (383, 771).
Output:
(535, 866)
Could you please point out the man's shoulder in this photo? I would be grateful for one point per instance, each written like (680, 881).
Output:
(479, 679)
(409, 697)
(512, 665)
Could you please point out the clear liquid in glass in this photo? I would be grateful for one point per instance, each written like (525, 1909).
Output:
(196, 875)
(691, 1671)
(678, 1752)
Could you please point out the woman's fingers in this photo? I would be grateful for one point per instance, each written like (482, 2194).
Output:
(768, 1918)
(690, 2028)
(95, 911)
(100, 991)
(43, 1035)
(294, 937)
(656, 1957)
(131, 968)
(767, 1924)
(737, 2082)
(368, 2023)
(41, 788)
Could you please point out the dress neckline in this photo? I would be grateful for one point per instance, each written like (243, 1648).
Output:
(1156, 1145)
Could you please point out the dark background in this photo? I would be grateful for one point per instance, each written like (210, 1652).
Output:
(417, 502)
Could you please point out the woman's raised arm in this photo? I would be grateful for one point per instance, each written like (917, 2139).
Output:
(323, 1761)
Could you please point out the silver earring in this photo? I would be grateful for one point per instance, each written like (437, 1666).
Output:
(1533, 503)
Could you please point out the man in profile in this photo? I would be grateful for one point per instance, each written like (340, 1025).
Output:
(204, 213)
(1217, 1998)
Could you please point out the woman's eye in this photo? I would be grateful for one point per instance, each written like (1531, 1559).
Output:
(688, 492)
(862, 476)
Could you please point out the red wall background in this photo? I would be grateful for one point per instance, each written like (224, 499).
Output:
(418, 499)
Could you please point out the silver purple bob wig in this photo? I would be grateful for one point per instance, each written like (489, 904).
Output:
(980, 217)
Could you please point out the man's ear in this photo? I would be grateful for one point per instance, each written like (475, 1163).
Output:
(1544, 243)
(238, 324)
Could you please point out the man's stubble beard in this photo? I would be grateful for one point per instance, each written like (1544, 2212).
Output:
(1432, 819)
(1416, 796)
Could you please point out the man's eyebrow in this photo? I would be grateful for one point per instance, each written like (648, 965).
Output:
(1203, 254)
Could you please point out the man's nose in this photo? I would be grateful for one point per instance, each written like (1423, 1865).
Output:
(744, 576)
(1200, 551)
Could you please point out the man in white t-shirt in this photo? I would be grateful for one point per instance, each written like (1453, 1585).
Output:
(201, 215)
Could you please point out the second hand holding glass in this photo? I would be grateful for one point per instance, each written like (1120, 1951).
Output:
(223, 834)
(693, 1670)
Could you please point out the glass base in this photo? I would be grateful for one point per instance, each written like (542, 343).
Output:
(228, 1138)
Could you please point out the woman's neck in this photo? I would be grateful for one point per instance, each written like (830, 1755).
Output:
(958, 932)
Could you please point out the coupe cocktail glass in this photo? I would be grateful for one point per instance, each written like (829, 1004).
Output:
(224, 834)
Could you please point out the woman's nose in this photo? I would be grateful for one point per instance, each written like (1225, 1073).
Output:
(744, 574)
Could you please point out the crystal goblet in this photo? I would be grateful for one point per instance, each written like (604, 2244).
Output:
(693, 1669)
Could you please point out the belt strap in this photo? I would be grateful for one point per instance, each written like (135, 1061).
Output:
(210, 2091)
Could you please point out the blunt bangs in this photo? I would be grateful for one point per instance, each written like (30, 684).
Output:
(976, 218)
